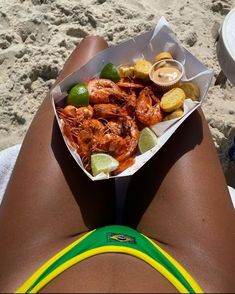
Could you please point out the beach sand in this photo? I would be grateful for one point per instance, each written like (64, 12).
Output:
(37, 36)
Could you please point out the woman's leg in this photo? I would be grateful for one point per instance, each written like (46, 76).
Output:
(180, 198)
(49, 199)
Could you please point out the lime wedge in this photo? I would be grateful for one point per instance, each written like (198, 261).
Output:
(110, 72)
(147, 140)
(101, 162)
(78, 95)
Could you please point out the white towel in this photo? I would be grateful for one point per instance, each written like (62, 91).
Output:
(7, 161)
(232, 194)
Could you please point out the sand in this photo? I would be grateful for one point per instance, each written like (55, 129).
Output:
(37, 36)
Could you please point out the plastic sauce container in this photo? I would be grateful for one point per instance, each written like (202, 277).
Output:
(166, 74)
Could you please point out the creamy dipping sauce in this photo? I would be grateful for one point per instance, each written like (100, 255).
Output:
(166, 74)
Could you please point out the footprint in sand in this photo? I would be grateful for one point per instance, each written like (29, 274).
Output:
(44, 71)
(222, 7)
(76, 32)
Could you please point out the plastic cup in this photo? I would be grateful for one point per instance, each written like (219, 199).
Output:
(172, 82)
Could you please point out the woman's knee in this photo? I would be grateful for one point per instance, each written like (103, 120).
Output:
(94, 39)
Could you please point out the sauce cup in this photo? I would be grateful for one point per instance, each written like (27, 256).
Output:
(166, 74)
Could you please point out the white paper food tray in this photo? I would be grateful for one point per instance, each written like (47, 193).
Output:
(147, 45)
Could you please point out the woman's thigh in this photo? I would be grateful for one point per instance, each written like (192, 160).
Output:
(49, 199)
(180, 198)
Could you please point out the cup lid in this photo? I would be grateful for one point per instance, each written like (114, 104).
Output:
(225, 46)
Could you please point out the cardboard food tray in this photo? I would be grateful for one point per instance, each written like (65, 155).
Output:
(147, 45)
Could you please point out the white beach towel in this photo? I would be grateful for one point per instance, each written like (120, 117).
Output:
(7, 161)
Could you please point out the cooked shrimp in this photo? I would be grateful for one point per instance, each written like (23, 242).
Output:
(69, 110)
(101, 91)
(84, 143)
(110, 143)
(110, 124)
(130, 133)
(129, 83)
(67, 131)
(84, 112)
(68, 117)
(94, 126)
(130, 102)
(121, 138)
(146, 112)
(87, 134)
(107, 110)
(113, 127)
(76, 113)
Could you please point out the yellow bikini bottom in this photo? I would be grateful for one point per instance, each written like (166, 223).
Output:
(109, 239)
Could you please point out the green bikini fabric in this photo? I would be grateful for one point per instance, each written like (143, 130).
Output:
(116, 236)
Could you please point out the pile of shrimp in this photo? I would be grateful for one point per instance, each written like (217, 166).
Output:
(112, 121)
